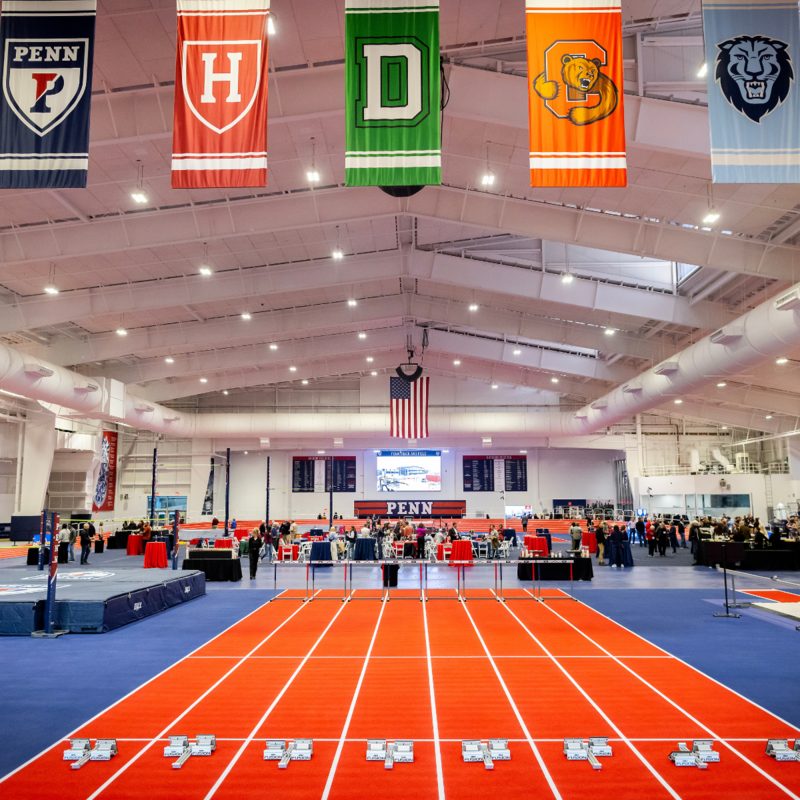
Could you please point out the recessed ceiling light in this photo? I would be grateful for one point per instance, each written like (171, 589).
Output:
(609, 331)
(352, 302)
(50, 289)
(456, 362)
(169, 360)
(273, 347)
(370, 358)
(494, 386)
(122, 332)
(517, 352)
(678, 402)
(292, 369)
(362, 335)
(373, 373)
(205, 270)
(305, 382)
(473, 307)
(780, 360)
(203, 380)
(245, 315)
(721, 384)
(553, 380)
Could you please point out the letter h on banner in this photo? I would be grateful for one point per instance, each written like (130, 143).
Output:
(220, 120)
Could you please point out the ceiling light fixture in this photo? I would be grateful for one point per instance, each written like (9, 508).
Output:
(373, 373)
(313, 175)
(352, 302)
(724, 428)
(51, 287)
(488, 177)
(781, 360)
(225, 391)
(678, 402)
(305, 383)
(273, 347)
(703, 71)
(205, 269)
(245, 315)
(553, 380)
(169, 360)
(337, 254)
(567, 278)
(721, 384)
(456, 362)
(473, 306)
(203, 380)
(292, 369)
(517, 352)
(139, 194)
(245, 452)
(769, 416)
(609, 331)
(711, 217)
(494, 386)
(321, 452)
(51, 290)
(369, 358)
(362, 335)
(122, 332)
(271, 23)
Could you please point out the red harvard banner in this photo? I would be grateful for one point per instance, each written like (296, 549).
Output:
(577, 123)
(220, 124)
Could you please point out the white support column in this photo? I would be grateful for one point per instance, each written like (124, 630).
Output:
(37, 461)
(793, 446)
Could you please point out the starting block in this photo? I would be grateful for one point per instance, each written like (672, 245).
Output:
(779, 750)
(401, 752)
(284, 752)
(578, 750)
(80, 751)
(493, 750)
(181, 748)
(699, 756)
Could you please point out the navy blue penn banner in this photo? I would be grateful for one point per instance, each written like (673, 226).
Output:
(752, 53)
(46, 56)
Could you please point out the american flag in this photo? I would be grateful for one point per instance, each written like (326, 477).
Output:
(409, 403)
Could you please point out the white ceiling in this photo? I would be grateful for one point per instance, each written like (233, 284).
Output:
(117, 264)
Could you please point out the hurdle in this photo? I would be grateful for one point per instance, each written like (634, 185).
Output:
(348, 593)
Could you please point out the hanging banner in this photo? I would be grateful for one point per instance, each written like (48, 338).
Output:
(106, 489)
(208, 500)
(46, 52)
(393, 93)
(219, 134)
(577, 122)
(753, 105)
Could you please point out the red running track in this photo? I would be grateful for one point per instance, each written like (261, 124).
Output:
(341, 673)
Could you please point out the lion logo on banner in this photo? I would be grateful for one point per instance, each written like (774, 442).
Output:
(754, 73)
(580, 77)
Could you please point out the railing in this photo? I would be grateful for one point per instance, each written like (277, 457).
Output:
(772, 468)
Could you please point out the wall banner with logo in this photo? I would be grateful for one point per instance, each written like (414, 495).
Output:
(46, 56)
(393, 91)
(219, 134)
(753, 102)
(577, 121)
(106, 488)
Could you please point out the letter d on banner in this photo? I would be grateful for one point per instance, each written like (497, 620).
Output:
(393, 94)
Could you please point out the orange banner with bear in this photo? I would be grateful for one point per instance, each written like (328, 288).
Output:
(577, 120)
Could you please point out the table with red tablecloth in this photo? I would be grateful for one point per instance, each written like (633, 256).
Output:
(293, 549)
(155, 555)
(462, 551)
(589, 539)
(537, 543)
(135, 544)
(219, 544)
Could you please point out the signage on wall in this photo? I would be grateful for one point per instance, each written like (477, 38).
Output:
(411, 508)
(313, 474)
(495, 473)
(106, 488)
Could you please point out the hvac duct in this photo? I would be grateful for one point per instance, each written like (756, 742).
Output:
(767, 331)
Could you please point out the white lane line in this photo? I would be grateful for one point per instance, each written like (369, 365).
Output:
(510, 699)
(597, 708)
(132, 692)
(436, 741)
(352, 708)
(184, 713)
(275, 702)
(675, 705)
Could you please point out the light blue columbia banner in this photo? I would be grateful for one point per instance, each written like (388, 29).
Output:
(752, 52)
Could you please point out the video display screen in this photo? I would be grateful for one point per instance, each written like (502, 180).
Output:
(409, 470)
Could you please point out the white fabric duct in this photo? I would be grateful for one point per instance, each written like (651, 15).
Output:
(763, 333)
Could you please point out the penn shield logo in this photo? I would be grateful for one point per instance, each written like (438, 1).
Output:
(754, 73)
(221, 80)
(45, 79)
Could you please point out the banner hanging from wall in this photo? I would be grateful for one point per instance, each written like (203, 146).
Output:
(393, 93)
(219, 134)
(753, 103)
(577, 121)
(208, 499)
(106, 488)
(46, 52)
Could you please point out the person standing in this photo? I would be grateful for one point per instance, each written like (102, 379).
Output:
(350, 538)
(640, 531)
(293, 530)
(73, 538)
(663, 538)
(673, 536)
(86, 543)
(333, 538)
(254, 544)
(575, 534)
(617, 539)
(266, 537)
(601, 545)
(650, 535)
(525, 523)
(421, 541)
(681, 532)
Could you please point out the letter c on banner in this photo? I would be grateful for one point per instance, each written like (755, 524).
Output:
(571, 64)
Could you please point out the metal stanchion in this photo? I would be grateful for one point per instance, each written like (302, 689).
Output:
(725, 575)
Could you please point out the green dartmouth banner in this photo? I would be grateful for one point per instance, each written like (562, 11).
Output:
(393, 94)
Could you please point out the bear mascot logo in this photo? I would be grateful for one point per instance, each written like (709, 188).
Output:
(754, 74)
(580, 78)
